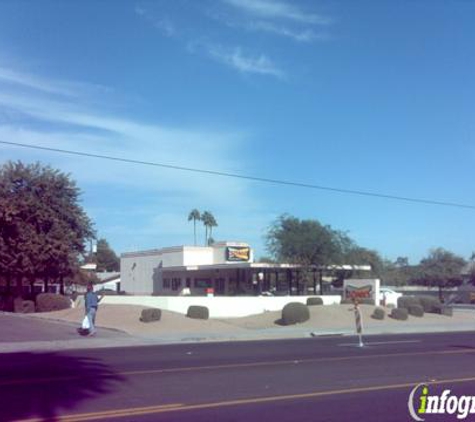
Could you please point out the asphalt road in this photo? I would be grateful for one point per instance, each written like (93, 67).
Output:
(321, 379)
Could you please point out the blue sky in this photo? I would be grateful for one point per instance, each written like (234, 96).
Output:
(369, 95)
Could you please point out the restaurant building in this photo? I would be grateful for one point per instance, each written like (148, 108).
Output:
(224, 268)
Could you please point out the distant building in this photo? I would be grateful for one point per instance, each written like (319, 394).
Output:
(227, 268)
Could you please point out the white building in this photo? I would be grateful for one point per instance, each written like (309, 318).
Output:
(228, 268)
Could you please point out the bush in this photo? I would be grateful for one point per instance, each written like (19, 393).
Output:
(430, 303)
(406, 301)
(198, 312)
(48, 302)
(442, 310)
(378, 313)
(312, 301)
(24, 306)
(151, 314)
(400, 314)
(295, 312)
(416, 310)
(367, 301)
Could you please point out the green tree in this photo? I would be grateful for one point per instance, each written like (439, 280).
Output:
(306, 242)
(357, 255)
(43, 228)
(194, 216)
(440, 268)
(209, 222)
(106, 258)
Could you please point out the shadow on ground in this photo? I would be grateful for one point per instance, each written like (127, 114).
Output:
(44, 385)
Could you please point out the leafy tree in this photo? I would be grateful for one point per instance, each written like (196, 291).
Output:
(440, 268)
(106, 258)
(42, 226)
(357, 255)
(194, 216)
(306, 242)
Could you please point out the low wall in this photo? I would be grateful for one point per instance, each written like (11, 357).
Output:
(220, 306)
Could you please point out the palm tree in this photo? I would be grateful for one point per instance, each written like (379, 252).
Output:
(209, 222)
(212, 223)
(195, 216)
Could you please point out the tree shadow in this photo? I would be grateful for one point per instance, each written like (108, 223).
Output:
(43, 385)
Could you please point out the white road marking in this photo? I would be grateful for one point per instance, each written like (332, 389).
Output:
(372, 343)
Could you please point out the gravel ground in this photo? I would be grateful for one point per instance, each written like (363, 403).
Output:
(332, 317)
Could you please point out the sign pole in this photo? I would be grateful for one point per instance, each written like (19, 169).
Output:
(359, 323)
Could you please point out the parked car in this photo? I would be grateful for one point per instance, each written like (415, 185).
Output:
(388, 296)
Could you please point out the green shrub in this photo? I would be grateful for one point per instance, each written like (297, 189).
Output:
(406, 301)
(346, 302)
(400, 314)
(312, 301)
(379, 313)
(22, 306)
(429, 303)
(150, 314)
(48, 302)
(295, 312)
(442, 310)
(416, 310)
(198, 312)
(366, 301)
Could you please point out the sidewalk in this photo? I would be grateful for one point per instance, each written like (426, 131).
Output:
(175, 328)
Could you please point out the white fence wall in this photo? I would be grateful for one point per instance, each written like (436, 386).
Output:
(220, 306)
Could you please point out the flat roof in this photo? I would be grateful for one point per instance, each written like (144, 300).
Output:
(265, 266)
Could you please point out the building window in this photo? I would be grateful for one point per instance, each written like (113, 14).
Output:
(166, 283)
(219, 285)
(176, 283)
(202, 283)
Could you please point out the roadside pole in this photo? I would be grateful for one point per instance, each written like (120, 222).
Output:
(359, 323)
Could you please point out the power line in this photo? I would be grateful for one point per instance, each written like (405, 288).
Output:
(245, 177)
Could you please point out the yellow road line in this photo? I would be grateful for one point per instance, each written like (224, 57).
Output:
(233, 366)
(142, 411)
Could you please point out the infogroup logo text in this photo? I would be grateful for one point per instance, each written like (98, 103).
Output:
(421, 404)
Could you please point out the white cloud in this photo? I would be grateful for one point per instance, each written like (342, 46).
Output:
(271, 9)
(68, 124)
(162, 23)
(234, 58)
(14, 79)
(306, 35)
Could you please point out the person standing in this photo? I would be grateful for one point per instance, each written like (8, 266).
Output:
(91, 301)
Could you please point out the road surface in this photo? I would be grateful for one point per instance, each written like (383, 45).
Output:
(316, 379)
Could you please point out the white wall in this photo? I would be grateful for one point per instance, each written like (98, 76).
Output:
(194, 255)
(219, 307)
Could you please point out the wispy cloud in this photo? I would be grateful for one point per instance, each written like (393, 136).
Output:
(277, 9)
(236, 59)
(67, 123)
(304, 35)
(162, 23)
(30, 114)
